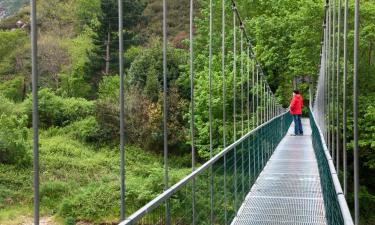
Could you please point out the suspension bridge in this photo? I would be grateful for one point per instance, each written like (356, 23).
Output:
(266, 176)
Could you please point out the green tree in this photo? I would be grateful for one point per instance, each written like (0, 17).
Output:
(105, 53)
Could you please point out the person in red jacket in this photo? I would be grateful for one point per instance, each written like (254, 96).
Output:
(296, 110)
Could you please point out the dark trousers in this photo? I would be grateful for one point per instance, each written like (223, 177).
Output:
(297, 124)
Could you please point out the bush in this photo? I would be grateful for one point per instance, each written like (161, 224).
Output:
(57, 111)
(6, 106)
(85, 130)
(13, 140)
(13, 89)
(52, 192)
(99, 200)
(144, 119)
(109, 89)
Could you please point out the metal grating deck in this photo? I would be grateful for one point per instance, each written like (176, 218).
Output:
(288, 190)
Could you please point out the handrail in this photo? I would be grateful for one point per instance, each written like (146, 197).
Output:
(169, 192)
(340, 195)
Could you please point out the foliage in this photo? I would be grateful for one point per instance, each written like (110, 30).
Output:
(146, 71)
(11, 58)
(57, 111)
(143, 118)
(74, 80)
(106, 35)
(85, 130)
(13, 140)
(13, 89)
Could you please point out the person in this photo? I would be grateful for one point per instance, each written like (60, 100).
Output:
(296, 110)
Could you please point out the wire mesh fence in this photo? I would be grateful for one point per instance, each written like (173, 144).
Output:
(336, 210)
(232, 172)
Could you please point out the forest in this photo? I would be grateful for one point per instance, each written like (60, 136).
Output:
(79, 97)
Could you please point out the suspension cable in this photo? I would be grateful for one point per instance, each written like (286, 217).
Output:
(257, 93)
(333, 114)
(329, 75)
(355, 112)
(345, 95)
(35, 116)
(242, 107)
(248, 89)
(234, 104)
(192, 126)
(122, 107)
(224, 109)
(242, 80)
(210, 117)
(165, 111)
(252, 91)
(337, 90)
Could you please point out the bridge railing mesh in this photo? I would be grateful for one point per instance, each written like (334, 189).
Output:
(232, 173)
(337, 212)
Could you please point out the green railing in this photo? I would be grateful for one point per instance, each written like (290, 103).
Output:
(337, 212)
(230, 175)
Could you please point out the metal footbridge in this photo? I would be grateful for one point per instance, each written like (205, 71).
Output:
(288, 191)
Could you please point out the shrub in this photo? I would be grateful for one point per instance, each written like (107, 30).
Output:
(109, 88)
(70, 221)
(99, 200)
(143, 119)
(52, 192)
(13, 140)
(6, 106)
(58, 111)
(13, 89)
(85, 130)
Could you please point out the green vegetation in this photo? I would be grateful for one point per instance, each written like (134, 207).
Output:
(79, 96)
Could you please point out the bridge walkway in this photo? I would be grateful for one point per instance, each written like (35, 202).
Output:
(288, 190)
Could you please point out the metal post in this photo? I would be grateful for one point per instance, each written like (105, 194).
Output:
(34, 78)
(355, 113)
(345, 95)
(165, 111)
(122, 107)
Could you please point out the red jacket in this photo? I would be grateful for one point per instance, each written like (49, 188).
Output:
(296, 105)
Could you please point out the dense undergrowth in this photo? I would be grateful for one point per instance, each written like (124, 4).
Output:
(80, 181)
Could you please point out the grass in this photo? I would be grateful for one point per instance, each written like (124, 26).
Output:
(81, 182)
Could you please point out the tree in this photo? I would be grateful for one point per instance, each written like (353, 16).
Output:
(105, 53)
